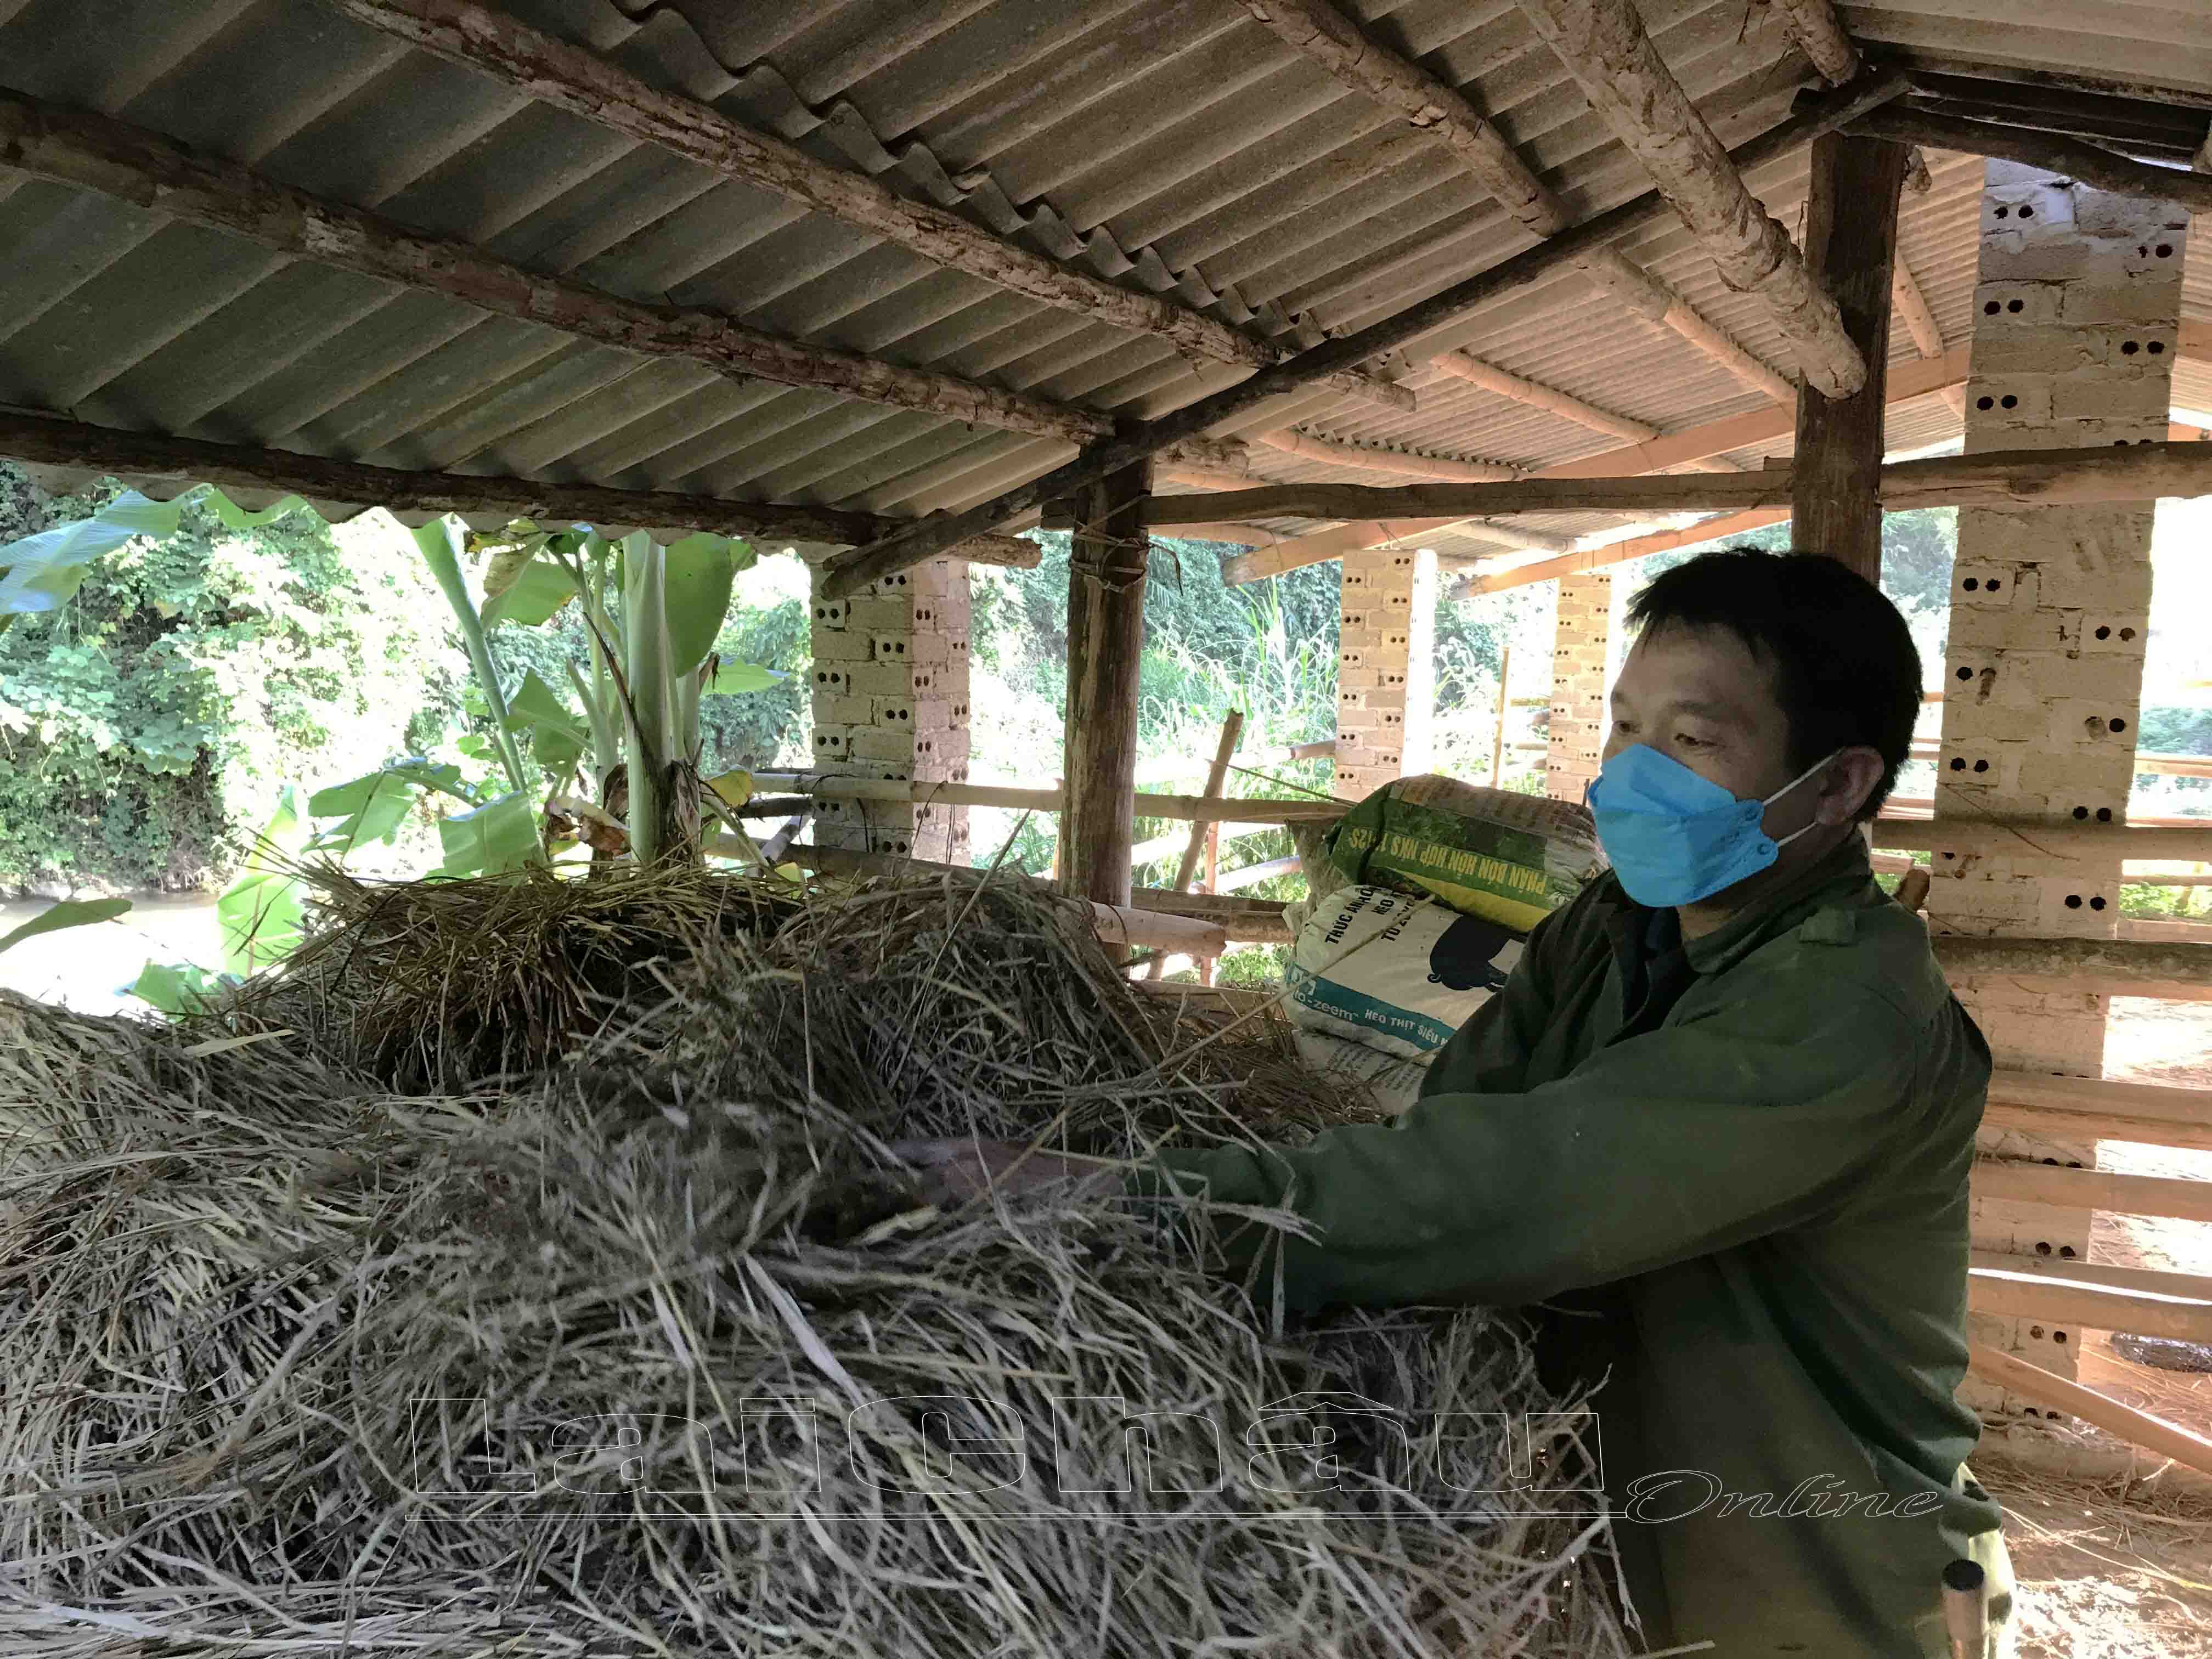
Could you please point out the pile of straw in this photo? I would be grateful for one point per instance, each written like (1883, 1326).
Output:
(658, 1353)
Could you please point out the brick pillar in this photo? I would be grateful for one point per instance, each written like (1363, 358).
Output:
(2075, 312)
(890, 700)
(1580, 643)
(1386, 667)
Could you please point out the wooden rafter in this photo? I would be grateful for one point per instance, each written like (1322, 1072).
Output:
(1364, 64)
(548, 71)
(1909, 306)
(1812, 24)
(1327, 453)
(2091, 164)
(1635, 547)
(2023, 478)
(1906, 381)
(43, 441)
(1655, 304)
(1333, 41)
(1140, 442)
(1462, 366)
(89, 151)
(1604, 45)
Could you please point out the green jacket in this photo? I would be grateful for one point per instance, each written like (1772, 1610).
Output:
(1745, 1210)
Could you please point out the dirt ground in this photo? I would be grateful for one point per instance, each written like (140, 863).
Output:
(2103, 1575)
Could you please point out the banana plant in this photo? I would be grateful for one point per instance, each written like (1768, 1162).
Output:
(652, 613)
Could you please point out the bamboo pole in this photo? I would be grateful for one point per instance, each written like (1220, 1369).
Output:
(1309, 367)
(86, 150)
(1497, 737)
(1645, 297)
(2096, 1108)
(1397, 463)
(1605, 47)
(2030, 1382)
(1232, 728)
(2011, 1181)
(44, 440)
(2089, 1303)
(2133, 968)
(2016, 478)
(1461, 366)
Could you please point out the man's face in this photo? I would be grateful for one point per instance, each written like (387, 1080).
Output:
(1698, 696)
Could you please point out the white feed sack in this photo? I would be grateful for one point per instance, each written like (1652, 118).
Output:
(1394, 972)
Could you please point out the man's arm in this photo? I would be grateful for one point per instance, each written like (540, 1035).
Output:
(1675, 1144)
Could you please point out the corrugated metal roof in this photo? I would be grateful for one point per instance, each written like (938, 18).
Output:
(1173, 145)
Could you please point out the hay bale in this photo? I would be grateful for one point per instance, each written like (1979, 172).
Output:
(304, 1361)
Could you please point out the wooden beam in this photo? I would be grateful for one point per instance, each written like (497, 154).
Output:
(2012, 477)
(1327, 453)
(1635, 547)
(546, 69)
(1244, 920)
(2085, 1295)
(1105, 648)
(1324, 34)
(2153, 1434)
(1605, 47)
(911, 546)
(1909, 306)
(89, 151)
(44, 440)
(2014, 1181)
(1850, 244)
(1652, 301)
(2093, 843)
(1906, 381)
(2091, 164)
(2094, 1109)
(1257, 812)
(1812, 24)
(2129, 968)
(1475, 371)
(1317, 28)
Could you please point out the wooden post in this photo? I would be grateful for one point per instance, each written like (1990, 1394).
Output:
(1498, 739)
(1105, 647)
(1850, 244)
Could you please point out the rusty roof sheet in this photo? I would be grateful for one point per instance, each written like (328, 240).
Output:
(1175, 146)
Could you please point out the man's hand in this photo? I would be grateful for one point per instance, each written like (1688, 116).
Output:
(955, 1171)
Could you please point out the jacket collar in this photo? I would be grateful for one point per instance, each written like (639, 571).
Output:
(1844, 876)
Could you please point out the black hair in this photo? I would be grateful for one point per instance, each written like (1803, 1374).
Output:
(1845, 669)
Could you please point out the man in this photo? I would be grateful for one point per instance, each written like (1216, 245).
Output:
(1718, 1124)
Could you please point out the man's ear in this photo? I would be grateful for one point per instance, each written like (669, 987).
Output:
(1847, 782)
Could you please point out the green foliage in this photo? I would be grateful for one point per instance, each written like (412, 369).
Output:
(67, 913)
(179, 988)
(262, 914)
(147, 722)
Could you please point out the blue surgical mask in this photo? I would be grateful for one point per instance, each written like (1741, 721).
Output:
(1673, 837)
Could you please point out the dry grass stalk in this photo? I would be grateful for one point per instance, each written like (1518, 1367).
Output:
(241, 1293)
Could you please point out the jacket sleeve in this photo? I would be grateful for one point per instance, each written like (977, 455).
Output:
(1749, 1119)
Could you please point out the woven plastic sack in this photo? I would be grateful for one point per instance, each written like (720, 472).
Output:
(1394, 972)
(1509, 858)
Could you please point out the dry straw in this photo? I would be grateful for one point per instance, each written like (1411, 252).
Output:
(655, 1352)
